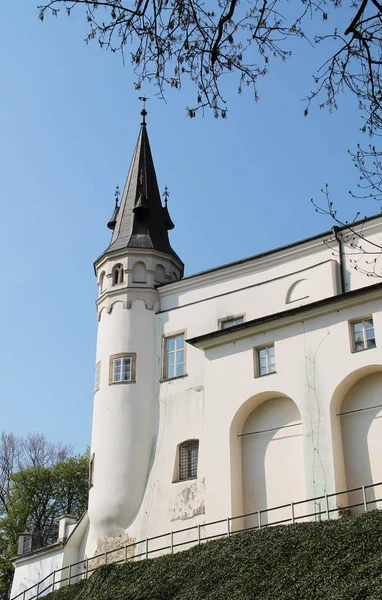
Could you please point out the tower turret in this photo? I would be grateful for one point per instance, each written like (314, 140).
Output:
(125, 416)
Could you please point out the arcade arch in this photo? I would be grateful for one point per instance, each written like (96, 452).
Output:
(267, 457)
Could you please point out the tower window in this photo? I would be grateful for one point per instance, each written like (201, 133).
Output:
(117, 274)
(91, 471)
(102, 283)
(174, 362)
(363, 334)
(97, 376)
(188, 459)
(122, 368)
(265, 360)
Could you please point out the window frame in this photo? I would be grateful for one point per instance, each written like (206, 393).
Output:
(364, 329)
(97, 378)
(133, 370)
(256, 354)
(165, 339)
(188, 474)
(223, 322)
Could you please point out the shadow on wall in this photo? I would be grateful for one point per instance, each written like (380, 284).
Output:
(268, 451)
(357, 433)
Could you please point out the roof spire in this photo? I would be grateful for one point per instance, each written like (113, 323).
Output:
(166, 195)
(112, 223)
(139, 219)
(143, 111)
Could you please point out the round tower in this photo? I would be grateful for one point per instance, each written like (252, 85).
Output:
(125, 415)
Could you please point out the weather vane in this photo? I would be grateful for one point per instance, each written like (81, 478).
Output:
(166, 194)
(143, 111)
(116, 194)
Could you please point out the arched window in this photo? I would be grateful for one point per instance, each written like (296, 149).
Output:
(160, 274)
(188, 459)
(139, 272)
(101, 282)
(117, 274)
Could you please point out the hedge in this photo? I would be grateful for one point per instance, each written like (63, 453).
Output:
(331, 560)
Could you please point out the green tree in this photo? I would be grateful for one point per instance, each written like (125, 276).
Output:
(39, 482)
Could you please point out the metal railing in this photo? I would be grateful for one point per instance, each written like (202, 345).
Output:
(316, 508)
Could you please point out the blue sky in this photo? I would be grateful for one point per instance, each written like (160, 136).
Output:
(69, 119)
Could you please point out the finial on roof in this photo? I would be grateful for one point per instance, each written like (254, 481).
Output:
(143, 111)
(113, 220)
(166, 195)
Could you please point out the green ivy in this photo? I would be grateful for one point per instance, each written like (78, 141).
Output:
(335, 560)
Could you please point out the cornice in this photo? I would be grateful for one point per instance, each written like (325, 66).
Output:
(287, 317)
(123, 252)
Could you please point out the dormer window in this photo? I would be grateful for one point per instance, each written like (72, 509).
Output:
(117, 274)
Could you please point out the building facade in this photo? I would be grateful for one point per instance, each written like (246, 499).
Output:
(245, 387)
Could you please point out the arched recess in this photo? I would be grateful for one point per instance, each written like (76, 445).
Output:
(139, 272)
(160, 274)
(267, 449)
(101, 283)
(299, 290)
(356, 414)
(117, 274)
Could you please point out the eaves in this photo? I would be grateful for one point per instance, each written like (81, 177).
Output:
(286, 317)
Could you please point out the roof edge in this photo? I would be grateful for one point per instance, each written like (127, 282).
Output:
(218, 333)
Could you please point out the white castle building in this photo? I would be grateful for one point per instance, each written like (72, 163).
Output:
(248, 386)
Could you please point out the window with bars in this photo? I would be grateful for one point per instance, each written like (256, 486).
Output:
(363, 334)
(231, 322)
(97, 376)
(174, 363)
(265, 360)
(122, 368)
(188, 459)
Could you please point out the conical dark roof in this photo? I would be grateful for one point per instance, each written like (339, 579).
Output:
(142, 221)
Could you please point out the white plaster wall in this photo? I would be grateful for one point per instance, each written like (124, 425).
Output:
(272, 459)
(31, 570)
(124, 421)
(212, 403)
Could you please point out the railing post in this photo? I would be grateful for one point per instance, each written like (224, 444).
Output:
(364, 498)
(70, 574)
(86, 568)
(172, 542)
(125, 556)
(228, 527)
(327, 506)
(147, 548)
(54, 576)
(259, 518)
(292, 510)
(199, 534)
(24, 595)
(106, 558)
(38, 583)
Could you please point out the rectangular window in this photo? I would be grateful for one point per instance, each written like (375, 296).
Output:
(231, 322)
(97, 376)
(188, 459)
(122, 368)
(363, 334)
(174, 357)
(265, 360)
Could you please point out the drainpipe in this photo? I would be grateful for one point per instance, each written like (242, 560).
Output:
(335, 230)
